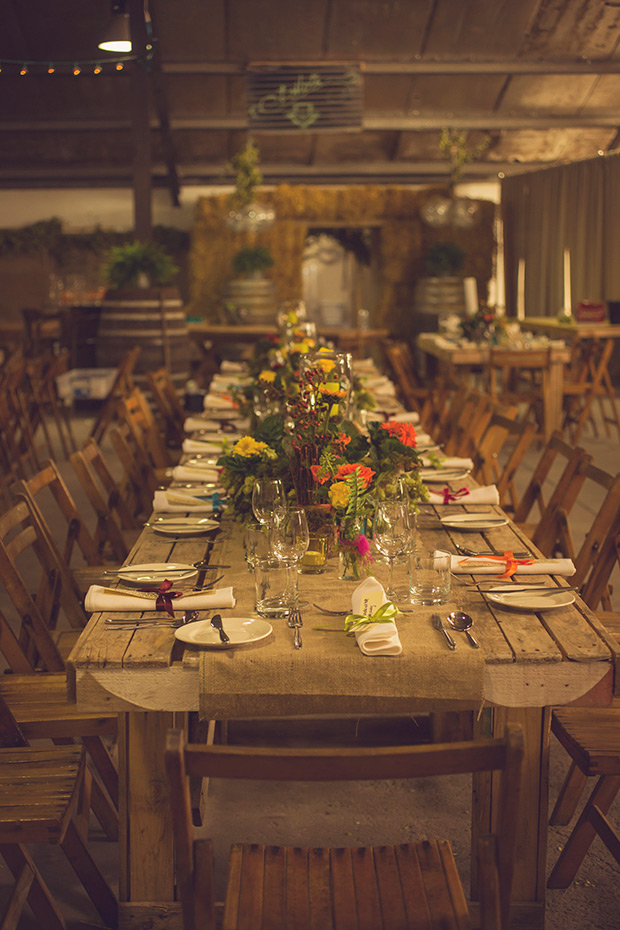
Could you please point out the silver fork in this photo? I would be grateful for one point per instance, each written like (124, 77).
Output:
(295, 621)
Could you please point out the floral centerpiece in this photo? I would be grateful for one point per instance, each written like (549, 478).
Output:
(484, 326)
(393, 455)
(248, 459)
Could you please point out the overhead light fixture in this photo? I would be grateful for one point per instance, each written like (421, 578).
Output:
(117, 37)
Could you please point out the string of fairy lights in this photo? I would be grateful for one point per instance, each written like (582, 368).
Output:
(24, 67)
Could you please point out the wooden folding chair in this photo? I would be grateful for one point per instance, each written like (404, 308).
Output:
(512, 379)
(501, 429)
(33, 647)
(116, 526)
(417, 883)
(167, 400)
(136, 413)
(587, 379)
(44, 794)
(121, 387)
(414, 394)
(141, 479)
(471, 418)
(550, 532)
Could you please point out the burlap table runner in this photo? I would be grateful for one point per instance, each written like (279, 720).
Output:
(329, 674)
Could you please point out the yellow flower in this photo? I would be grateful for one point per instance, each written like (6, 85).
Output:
(326, 365)
(339, 494)
(247, 446)
(300, 347)
(332, 388)
(267, 375)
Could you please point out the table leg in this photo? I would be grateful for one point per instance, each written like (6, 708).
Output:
(552, 399)
(528, 890)
(146, 888)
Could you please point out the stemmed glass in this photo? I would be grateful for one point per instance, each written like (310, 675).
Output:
(392, 536)
(289, 542)
(268, 500)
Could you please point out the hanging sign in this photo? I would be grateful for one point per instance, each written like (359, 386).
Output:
(305, 98)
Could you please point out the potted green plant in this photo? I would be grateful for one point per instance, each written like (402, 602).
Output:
(141, 308)
(444, 260)
(252, 261)
(138, 264)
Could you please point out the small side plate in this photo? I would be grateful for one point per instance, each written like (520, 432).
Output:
(473, 521)
(240, 630)
(185, 526)
(522, 600)
(156, 572)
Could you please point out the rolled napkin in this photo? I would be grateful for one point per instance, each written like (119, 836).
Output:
(201, 445)
(496, 565)
(194, 424)
(377, 638)
(408, 416)
(424, 439)
(100, 598)
(486, 495)
(450, 461)
(219, 402)
(233, 366)
(192, 473)
(176, 502)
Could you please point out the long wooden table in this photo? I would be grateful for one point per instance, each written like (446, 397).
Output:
(531, 662)
(454, 357)
(346, 338)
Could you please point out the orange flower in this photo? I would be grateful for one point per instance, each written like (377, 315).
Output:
(344, 439)
(366, 474)
(316, 474)
(404, 432)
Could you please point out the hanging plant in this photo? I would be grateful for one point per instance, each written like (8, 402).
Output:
(455, 147)
(248, 176)
(131, 264)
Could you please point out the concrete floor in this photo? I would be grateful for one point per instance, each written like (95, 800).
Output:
(307, 815)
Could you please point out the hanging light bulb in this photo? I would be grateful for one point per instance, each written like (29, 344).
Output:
(119, 66)
(117, 37)
(97, 69)
(24, 69)
(76, 69)
(50, 68)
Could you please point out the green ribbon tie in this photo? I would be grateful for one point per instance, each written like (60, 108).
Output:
(357, 622)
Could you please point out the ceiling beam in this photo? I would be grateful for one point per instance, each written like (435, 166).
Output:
(371, 122)
(220, 173)
(431, 66)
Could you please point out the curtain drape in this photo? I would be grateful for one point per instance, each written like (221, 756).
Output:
(574, 207)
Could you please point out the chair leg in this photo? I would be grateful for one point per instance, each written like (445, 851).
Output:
(105, 811)
(580, 840)
(91, 878)
(19, 896)
(39, 896)
(568, 798)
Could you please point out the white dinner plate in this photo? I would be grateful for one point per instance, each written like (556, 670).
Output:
(240, 630)
(156, 572)
(523, 600)
(473, 521)
(184, 526)
(440, 475)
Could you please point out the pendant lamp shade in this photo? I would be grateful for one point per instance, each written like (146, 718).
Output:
(117, 37)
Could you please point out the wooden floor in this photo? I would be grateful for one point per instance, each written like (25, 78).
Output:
(309, 816)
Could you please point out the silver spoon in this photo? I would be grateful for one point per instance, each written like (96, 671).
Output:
(463, 623)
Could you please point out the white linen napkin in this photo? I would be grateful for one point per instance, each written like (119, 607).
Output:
(194, 424)
(176, 502)
(233, 366)
(201, 445)
(100, 598)
(191, 473)
(217, 402)
(486, 495)
(449, 462)
(483, 566)
(378, 638)
(408, 416)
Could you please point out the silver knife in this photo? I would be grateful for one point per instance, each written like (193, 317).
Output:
(216, 621)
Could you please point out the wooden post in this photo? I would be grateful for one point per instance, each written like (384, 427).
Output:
(141, 131)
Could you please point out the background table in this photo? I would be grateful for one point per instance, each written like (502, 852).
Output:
(455, 357)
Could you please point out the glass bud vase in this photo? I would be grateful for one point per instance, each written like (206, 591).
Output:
(353, 551)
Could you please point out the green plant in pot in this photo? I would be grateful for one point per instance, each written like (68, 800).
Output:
(444, 259)
(252, 261)
(138, 264)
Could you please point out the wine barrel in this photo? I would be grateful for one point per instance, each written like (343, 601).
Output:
(433, 296)
(152, 318)
(252, 299)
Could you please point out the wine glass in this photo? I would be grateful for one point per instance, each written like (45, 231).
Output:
(392, 536)
(268, 499)
(290, 540)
